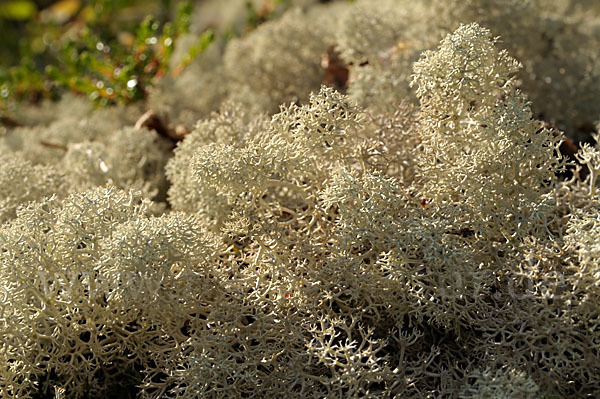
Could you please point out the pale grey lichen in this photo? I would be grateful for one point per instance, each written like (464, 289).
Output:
(346, 246)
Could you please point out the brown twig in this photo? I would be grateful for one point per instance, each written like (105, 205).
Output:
(9, 122)
(54, 145)
(336, 70)
(151, 121)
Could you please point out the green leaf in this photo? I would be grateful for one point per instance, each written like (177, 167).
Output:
(184, 17)
(18, 9)
(205, 40)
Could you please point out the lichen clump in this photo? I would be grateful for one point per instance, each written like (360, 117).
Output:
(415, 242)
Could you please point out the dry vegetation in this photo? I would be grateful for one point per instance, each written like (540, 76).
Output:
(408, 234)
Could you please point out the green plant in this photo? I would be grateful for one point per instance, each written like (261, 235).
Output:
(107, 66)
